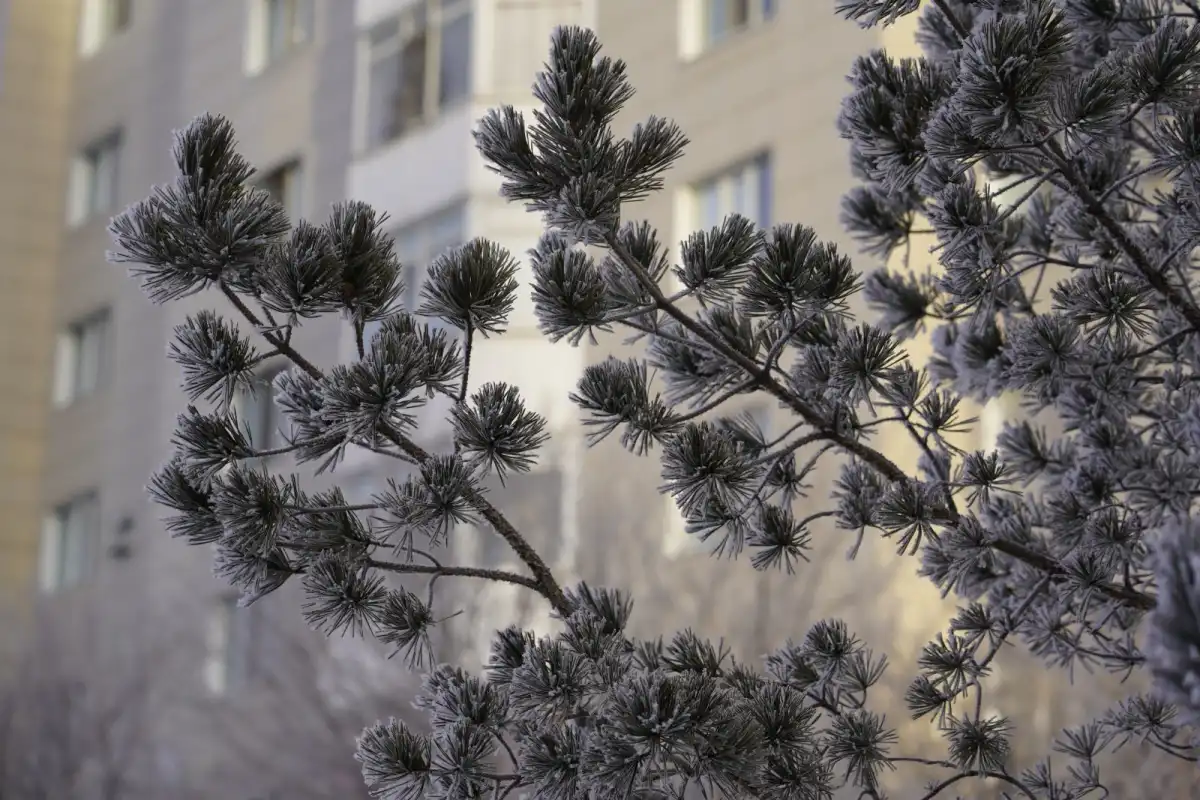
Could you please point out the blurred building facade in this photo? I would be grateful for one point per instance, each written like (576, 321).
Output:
(36, 56)
(372, 100)
(128, 73)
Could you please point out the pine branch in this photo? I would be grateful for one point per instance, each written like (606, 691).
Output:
(1096, 208)
(940, 787)
(962, 32)
(276, 340)
(763, 379)
(875, 459)
(543, 577)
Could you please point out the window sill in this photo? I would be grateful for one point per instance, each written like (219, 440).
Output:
(74, 402)
(104, 46)
(91, 221)
(418, 127)
(61, 591)
(733, 35)
(277, 63)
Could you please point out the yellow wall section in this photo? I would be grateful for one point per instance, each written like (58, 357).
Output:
(37, 61)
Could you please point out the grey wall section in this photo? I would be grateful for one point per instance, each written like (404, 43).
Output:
(179, 59)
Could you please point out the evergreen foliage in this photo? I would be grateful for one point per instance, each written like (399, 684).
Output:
(1053, 149)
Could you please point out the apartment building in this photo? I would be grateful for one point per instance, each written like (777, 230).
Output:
(102, 401)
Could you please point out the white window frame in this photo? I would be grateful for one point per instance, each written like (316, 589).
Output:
(100, 21)
(746, 188)
(697, 31)
(418, 243)
(228, 638)
(378, 43)
(690, 214)
(290, 176)
(262, 49)
(260, 412)
(81, 360)
(992, 418)
(69, 542)
(94, 182)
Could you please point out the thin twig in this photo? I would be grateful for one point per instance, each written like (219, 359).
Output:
(716, 402)
(939, 788)
(468, 343)
(455, 572)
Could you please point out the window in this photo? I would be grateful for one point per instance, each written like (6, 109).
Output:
(725, 17)
(675, 538)
(417, 245)
(260, 413)
(229, 642)
(69, 543)
(995, 414)
(93, 190)
(417, 63)
(100, 21)
(81, 359)
(744, 189)
(274, 29)
(286, 187)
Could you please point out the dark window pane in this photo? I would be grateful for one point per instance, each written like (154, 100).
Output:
(408, 102)
(383, 81)
(302, 21)
(278, 27)
(239, 652)
(413, 273)
(718, 21)
(122, 14)
(455, 67)
(739, 13)
(766, 191)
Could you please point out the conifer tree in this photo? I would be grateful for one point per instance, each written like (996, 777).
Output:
(1052, 147)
